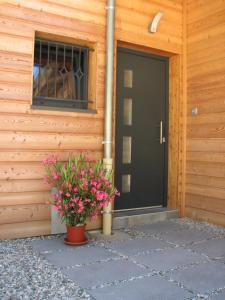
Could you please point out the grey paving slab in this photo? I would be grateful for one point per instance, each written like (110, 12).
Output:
(131, 247)
(156, 228)
(150, 288)
(185, 236)
(169, 259)
(220, 296)
(214, 248)
(201, 278)
(53, 244)
(101, 273)
(79, 255)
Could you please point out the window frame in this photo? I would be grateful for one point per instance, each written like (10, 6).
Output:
(45, 102)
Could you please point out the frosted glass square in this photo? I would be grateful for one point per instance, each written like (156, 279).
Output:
(128, 78)
(126, 182)
(127, 111)
(127, 149)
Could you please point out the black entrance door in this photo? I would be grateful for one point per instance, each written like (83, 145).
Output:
(141, 129)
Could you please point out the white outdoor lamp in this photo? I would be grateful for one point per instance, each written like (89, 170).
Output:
(152, 27)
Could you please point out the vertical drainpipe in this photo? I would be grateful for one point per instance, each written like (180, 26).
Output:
(107, 212)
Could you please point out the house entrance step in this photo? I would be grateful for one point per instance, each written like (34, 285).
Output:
(128, 218)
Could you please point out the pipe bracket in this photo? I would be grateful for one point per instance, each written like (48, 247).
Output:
(107, 212)
(109, 7)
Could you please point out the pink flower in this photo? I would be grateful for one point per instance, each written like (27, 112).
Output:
(46, 179)
(76, 200)
(117, 193)
(91, 171)
(68, 194)
(55, 175)
(94, 183)
(81, 205)
(94, 217)
(93, 190)
(87, 200)
(56, 196)
(75, 190)
(80, 210)
(101, 195)
(98, 186)
(82, 172)
(50, 160)
(106, 182)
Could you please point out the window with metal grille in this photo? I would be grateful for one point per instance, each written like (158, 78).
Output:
(60, 75)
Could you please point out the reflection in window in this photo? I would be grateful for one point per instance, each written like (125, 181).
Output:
(128, 78)
(126, 182)
(127, 149)
(127, 111)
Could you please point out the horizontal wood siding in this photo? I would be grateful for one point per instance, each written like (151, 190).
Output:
(133, 18)
(28, 135)
(205, 181)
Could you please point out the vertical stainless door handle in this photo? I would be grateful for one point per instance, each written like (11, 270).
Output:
(161, 132)
(162, 139)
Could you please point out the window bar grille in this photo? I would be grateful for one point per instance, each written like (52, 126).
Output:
(73, 86)
(78, 78)
(47, 70)
(78, 93)
(63, 72)
(56, 65)
(86, 63)
(39, 69)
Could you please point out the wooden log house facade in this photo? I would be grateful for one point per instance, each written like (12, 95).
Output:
(186, 56)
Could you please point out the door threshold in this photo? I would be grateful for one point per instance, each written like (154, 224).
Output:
(140, 211)
(124, 219)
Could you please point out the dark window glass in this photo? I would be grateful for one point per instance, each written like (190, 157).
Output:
(60, 75)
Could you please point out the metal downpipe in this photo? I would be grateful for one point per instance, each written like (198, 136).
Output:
(107, 212)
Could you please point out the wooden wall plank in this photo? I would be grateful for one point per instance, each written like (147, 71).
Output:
(15, 61)
(210, 181)
(39, 155)
(21, 186)
(59, 124)
(25, 229)
(24, 198)
(205, 189)
(206, 156)
(206, 168)
(24, 213)
(34, 140)
(205, 215)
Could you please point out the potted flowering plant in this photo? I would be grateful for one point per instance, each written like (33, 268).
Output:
(83, 188)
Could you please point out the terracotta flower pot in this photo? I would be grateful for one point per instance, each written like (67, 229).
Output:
(76, 234)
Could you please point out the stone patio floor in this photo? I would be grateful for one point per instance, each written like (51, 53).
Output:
(171, 260)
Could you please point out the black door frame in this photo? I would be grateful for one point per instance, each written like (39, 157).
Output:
(165, 59)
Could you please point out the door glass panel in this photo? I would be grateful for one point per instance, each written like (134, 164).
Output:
(126, 180)
(127, 111)
(127, 149)
(128, 78)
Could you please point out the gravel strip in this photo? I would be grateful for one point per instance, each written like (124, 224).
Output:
(203, 226)
(24, 274)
